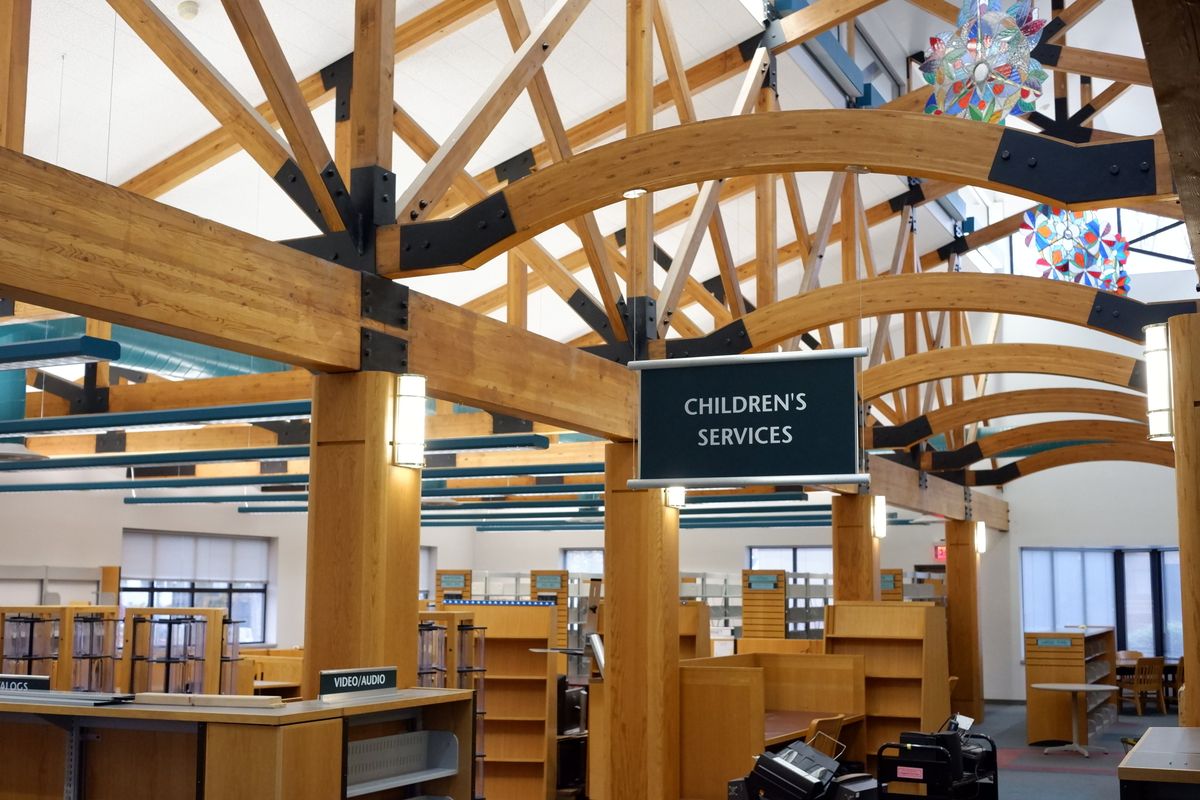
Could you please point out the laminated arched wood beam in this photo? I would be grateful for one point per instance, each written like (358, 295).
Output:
(1107, 402)
(897, 142)
(1038, 359)
(1059, 301)
(1074, 431)
(1159, 453)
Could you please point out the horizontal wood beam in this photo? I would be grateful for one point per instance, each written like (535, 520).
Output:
(1041, 434)
(910, 489)
(1157, 453)
(894, 142)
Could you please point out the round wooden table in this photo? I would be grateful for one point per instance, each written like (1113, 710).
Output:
(1075, 689)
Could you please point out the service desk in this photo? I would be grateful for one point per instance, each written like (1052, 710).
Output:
(1163, 765)
(298, 750)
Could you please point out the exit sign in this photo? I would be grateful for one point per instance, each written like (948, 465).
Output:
(939, 552)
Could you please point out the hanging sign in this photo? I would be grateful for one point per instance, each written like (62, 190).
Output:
(770, 418)
(24, 683)
(338, 682)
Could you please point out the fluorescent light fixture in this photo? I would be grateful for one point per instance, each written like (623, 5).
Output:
(56, 352)
(634, 193)
(675, 496)
(1159, 401)
(879, 516)
(409, 433)
(980, 537)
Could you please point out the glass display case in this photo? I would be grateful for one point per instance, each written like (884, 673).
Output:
(93, 653)
(30, 644)
(431, 655)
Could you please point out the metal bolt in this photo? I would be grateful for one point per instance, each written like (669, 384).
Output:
(413, 215)
(502, 214)
(1116, 314)
(408, 247)
(482, 224)
(383, 198)
(428, 244)
(1115, 169)
(422, 204)
(1032, 161)
(545, 45)
(1005, 155)
(1145, 166)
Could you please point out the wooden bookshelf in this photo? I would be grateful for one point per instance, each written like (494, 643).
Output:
(891, 585)
(694, 630)
(62, 667)
(520, 758)
(764, 604)
(904, 645)
(551, 585)
(218, 676)
(452, 584)
(1068, 656)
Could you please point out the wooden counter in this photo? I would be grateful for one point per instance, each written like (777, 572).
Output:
(1163, 765)
(146, 751)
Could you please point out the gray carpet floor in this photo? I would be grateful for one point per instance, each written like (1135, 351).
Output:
(1025, 772)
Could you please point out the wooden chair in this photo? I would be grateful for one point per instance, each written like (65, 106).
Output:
(831, 728)
(1174, 683)
(1147, 679)
(1128, 655)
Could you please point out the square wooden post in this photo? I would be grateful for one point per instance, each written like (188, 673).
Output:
(1185, 379)
(364, 533)
(962, 618)
(641, 639)
(855, 549)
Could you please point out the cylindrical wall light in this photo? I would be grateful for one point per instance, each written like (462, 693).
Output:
(879, 516)
(676, 496)
(980, 537)
(409, 433)
(1158, 383)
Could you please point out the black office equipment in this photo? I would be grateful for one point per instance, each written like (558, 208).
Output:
(951, 765)
(799, 772)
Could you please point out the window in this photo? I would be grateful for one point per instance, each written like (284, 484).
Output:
(1172, 606)
(583, 560)
(813, 559)
(1139, 603)
(425, 578)
(1066, 587)
(172, 570)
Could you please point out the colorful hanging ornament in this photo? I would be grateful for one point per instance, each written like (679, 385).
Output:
(1072, 246)
(984, 70)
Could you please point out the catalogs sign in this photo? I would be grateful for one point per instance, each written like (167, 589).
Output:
(753, 419)
(336, 683)
(24, 683)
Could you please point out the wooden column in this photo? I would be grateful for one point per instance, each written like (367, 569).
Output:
(855, 549)
(641, 600)
(962, 617)
(639, 118)
(364, 533)
(765, 226)
(371, 93)
(851, 329)
(517, 297)
(14, 71)
(1185, 349)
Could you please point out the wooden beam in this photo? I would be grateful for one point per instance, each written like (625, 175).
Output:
(76, 244)
(1184, 335)
(1167, 31)
(639, 119)
(586, 227)
(1035, 435)
(1001, 229)
(1038, 359)
(1157, 453)
(905, 487)
(371, 95)
(1122, 69)
(255, 135)
(411, 36)
(435, 178)
(518, 292)
(266, 56)
(852, 326)
(14, 71)
(818, 18)
(788, 141)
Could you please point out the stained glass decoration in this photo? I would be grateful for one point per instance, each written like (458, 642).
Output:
(1072, 246)
(984, 69)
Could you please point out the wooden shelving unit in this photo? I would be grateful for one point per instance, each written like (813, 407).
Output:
(1068, 656)
(136, 672)
(904, 645)
(452, 584)
(520, 758)
(62, 628)
(891, 585)
(552, 585)
(764, 603)
(694, 630)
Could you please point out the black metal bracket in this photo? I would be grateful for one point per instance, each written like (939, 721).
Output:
(1125, 317)
(373, 190)
(903, 435)
(1046, 53)
(291, 180)
(111, 442)
(288, 432)
(750, 46)
(384, 301)
(640, 317)
(726, 340)
(503, 423)
(1047, 167)
(93, 399)
(961, 458)
(717, 289)
(913, 197)
(8, 307)
(446, 242)
(620, 352)
(957, 246)
(59, 387)
(1137, 376)
(1069, 130)
(591, 313)
(340, 248)
(771, 75)
(272, 468)
(339, 76)
(380, 352)
(517, 167)
(968, 503)
(127, 375)
(441, 460)
(993, 477)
